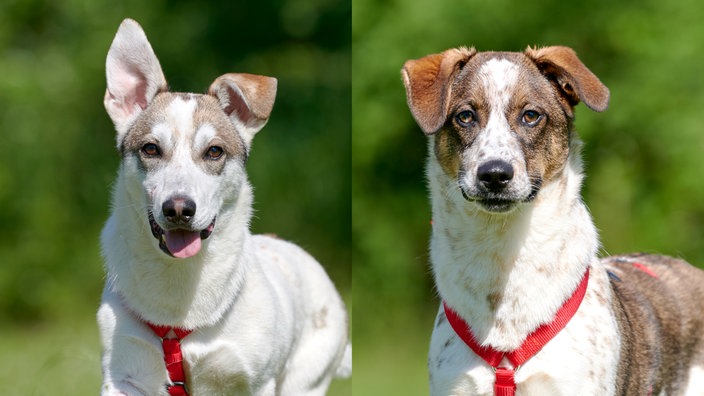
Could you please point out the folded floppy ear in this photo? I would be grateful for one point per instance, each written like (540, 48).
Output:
(134, 76)
(573, 79)
(247, 99)
(428, 85)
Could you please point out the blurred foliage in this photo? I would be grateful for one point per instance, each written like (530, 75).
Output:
(643, 155)
(58, 157)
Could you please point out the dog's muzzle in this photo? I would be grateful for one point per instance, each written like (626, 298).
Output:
(492, 188)
(179, 242)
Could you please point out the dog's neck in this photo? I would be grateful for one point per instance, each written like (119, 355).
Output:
(189, 291)
(506, 274)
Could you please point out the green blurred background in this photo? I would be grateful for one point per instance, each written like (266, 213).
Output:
(645, 184)
(58, 157)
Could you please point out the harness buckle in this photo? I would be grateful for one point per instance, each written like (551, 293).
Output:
(172, 388)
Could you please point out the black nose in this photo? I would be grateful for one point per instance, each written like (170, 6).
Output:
(495, 175)
(179, 209)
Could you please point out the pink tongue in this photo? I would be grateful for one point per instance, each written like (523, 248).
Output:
(182, 243)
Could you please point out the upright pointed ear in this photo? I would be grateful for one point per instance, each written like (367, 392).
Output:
(247, 99)
(134, 76)
(576, 82)
(428, 85)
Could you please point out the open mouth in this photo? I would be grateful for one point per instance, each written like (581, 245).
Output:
(179, 242)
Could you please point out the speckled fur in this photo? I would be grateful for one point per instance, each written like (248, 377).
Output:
(506, 268)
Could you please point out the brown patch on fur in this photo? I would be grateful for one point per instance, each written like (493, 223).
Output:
(659, 320)
(571, 77)
(249, 97)
(494, 299)
(500, 324)
(320, 318)
(427, 81)
(447, 151)
(573, 81)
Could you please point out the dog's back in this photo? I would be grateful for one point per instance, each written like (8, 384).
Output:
(288, 268)
(660, 338)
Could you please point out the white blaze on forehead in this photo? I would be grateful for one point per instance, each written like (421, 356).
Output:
(177, 124)
(499, 77)
(180, 115)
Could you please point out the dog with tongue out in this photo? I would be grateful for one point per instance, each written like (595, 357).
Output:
(193, 302)
(179, 242)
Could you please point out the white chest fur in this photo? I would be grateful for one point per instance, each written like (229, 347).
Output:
(506, 274)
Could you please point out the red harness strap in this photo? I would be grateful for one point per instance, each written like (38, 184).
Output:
(504, 384)
(173, 358)
(645, 269)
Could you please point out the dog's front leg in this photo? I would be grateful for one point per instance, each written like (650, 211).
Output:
(132, 360)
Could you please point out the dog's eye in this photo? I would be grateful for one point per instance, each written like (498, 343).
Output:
(151, 150)
(214, 152)
(465, 118)
(531, 117)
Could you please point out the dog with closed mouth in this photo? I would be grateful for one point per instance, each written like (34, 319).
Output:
(193, 302)
(527, 307)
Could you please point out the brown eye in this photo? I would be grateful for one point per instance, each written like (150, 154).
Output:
(465, 118)
(531, 117)
(214, 152)
(151, 150)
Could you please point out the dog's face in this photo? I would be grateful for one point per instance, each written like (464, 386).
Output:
(501, 121)
(187, 159)
(183, 155)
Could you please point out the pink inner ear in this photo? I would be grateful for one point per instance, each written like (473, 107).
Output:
(130, 87)
(141, 94)
(238, 105)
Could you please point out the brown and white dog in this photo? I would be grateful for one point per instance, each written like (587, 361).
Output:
(512, 240)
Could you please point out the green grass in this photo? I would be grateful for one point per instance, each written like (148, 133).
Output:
(341, 388)
(394, 362)
(59, 358)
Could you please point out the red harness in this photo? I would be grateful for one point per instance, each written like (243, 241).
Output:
(173, 358)
(504, 384)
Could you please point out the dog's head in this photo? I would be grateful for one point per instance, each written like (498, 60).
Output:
(183, 153)
(501, 121)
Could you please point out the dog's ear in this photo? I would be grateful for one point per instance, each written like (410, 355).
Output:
(247, 99)
(134, 76)
(428, 84)
(561, 65)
